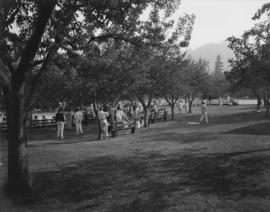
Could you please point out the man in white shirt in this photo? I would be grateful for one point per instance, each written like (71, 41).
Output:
(120, 115)
(78, 118)
(204, 112)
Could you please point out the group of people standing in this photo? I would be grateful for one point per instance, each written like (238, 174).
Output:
(76, 118)
(157, 115)
(108, 117)
(183, 106)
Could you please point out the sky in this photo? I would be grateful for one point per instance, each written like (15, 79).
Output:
(216, 20)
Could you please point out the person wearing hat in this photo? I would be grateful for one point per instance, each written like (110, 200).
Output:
(204, 112)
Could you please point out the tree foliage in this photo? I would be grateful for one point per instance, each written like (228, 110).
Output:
(250, 68)
(35, 35)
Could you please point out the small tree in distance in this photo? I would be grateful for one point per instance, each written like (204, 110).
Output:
(195, 80)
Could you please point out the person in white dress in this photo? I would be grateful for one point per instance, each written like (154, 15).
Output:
(102, 117)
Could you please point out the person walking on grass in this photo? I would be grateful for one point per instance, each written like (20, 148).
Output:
(78, 118)
(204, 112)
(60, 120)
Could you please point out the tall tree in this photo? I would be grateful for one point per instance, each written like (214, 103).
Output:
(167, 39)
(250, 68)
(219, 66)
(170, 79)
(141, 79)
(168, 60)
(196, 78)
(43, 30)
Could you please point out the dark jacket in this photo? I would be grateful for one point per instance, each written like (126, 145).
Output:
(59, 117)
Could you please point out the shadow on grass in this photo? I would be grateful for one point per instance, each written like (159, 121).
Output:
(247, 107)
(148, 182)
(183, 138)
(219, 174)
(180, 131)
(239, 117)
(50, 133)
(65, 141)
(226, 119)
(256, 129)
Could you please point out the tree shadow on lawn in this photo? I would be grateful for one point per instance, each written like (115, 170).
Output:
(256, 129)
(248, 107)
(192, 137)
(70, 140)
(50, 132)
(149, 182)
(180, 131)
(239, 117)
(183, 138)
(215, 119)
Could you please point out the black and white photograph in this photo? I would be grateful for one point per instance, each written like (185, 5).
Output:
(135, 105)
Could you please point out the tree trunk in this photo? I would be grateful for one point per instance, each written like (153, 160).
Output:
(145, 116)
(267, 103)
(259, 103)
(258, 95)
(172, 110)
(96, 113)
(190, 102)
(145, 110)
(220, 99)
(18, 176)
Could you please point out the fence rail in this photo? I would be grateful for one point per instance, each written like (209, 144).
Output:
(42, 123)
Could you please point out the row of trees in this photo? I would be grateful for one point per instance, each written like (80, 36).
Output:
(251, 65)
(104, 73)
(43, 37)
(89, 52)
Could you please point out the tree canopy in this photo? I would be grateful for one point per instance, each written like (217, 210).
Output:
(45, 36)
(250, 68)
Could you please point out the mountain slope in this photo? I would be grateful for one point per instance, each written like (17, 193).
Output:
(210, 51)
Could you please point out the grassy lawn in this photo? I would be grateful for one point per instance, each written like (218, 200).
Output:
(170, 166)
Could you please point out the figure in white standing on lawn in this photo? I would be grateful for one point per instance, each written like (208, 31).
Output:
(186, 106)
(180, 106)
(78, 118)
(102, 117)
(204, 112)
